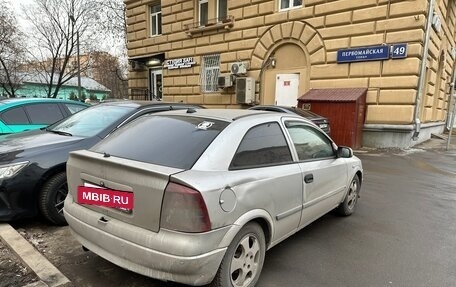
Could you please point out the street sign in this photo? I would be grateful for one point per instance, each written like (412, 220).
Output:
(361, 54)
(399, 51)
(372, 53)
(180, 63)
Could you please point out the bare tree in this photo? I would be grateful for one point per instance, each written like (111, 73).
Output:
(11, 52)
(105, 68)
(113, 21)
(57, 25)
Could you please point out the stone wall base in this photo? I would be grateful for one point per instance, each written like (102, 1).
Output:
(398, 136)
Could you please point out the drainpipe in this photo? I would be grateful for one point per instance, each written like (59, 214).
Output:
(269, 62)
(453, 111)
(421, 88)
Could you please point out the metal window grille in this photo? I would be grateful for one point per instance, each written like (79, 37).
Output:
(210, 73)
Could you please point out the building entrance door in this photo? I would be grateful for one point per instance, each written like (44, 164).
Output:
(155, 84)
(287, 87)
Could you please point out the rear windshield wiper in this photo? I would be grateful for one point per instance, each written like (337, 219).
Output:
(60, 132)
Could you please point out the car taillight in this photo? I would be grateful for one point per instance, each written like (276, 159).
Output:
(184, 210)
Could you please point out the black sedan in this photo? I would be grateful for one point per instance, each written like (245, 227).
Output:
(320, 121)
(33, 164)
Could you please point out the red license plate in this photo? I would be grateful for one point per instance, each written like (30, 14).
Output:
(105, 197)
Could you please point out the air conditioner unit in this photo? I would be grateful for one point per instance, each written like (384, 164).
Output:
(238, 68)
(225, 81)
(245, 90)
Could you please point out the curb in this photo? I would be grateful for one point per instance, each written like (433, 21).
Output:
(36, 284)
(48, 273)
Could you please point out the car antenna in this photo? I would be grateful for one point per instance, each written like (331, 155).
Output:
(191, 111)
(105, 154)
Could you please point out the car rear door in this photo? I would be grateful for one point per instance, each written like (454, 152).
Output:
(324, 174)
(265, 176)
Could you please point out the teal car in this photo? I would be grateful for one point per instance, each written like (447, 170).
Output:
(23, 114)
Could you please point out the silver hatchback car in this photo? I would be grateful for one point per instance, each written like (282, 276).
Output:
(198, 196)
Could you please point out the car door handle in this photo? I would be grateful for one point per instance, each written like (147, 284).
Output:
(103, 220)
(308, 178)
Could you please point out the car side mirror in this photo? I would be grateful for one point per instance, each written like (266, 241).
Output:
(344, 152)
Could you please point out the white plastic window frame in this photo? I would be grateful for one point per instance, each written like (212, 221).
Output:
(154, 20)
(290, 7)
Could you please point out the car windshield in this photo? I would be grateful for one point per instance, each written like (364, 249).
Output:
(173, 141)
(91, 121)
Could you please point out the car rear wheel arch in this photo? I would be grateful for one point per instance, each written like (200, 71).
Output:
(266, 229)
(261, 217)
(244, 258)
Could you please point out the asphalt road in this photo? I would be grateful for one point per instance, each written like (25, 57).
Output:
(402, 234)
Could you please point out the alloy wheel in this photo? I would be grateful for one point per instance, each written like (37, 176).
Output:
(60, 196)
(245, 262)
(352, 194)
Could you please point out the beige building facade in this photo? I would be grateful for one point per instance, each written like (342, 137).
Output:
(238, 53)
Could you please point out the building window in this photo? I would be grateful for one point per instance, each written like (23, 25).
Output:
(289, 4)
(212, 11)
(210, 73)
(203, 9)
(222, 10)
(155, 20)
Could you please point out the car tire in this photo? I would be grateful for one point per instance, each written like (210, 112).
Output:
(246, 252)
(348, 206)
(51, 198)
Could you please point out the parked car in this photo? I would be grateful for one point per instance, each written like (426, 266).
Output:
(23, 114)
(198, 196)
(320, 121)
(32, 164)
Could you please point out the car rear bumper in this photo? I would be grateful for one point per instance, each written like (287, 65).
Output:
(166, 255)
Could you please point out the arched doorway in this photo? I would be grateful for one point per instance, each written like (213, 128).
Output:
(287, 78)
(282, 58)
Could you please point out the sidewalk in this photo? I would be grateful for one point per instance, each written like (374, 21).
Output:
(48, 274)
(439, 143)
(436, 143)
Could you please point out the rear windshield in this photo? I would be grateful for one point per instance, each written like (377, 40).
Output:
(173, 141)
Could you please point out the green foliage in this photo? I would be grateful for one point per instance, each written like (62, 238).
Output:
(83, 97)
(73, 96)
